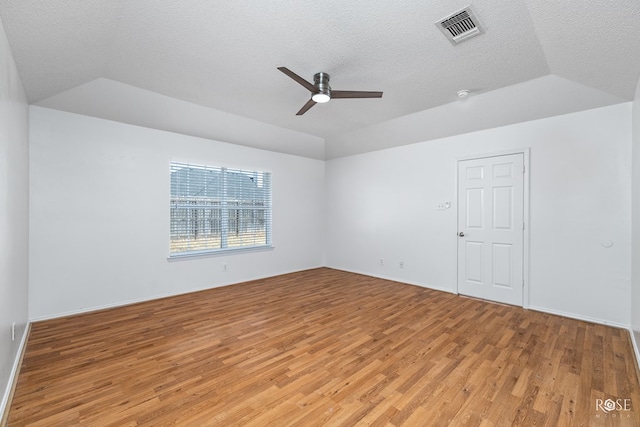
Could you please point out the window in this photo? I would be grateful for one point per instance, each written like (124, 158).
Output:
(217, 209)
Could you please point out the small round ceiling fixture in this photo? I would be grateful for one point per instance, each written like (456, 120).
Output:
(320, 97)
(463, 93)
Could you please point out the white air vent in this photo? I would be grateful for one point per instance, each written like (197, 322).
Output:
(460, 26)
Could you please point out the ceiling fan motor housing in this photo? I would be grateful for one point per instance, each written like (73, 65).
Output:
(321, 82)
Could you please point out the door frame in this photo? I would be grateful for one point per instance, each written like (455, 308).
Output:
(525, 235)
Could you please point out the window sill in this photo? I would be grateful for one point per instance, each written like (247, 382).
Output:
(217, 252)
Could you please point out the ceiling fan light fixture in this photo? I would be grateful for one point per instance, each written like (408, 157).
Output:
(320, 97)
(321, 91)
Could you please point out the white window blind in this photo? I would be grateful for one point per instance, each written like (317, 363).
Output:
(218, 209)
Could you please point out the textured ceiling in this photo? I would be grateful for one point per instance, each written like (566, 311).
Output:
(223, 55)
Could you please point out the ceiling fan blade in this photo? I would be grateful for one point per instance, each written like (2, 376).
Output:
(310, 87)
(354, 94)
(310, 103)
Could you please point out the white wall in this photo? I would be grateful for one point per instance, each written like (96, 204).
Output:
(383, 205)
(14, 185)
(99, 214)
(635, 283)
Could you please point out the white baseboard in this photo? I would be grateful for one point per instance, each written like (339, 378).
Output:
(579, 317)
(530, 307)
(13, 377)
(634, 343)
(158, 296)
(395, 279)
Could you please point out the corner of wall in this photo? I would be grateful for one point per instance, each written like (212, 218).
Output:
(635, 224)
(14, 223)
(13, 378)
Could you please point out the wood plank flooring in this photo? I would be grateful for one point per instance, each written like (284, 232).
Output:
(324, 347)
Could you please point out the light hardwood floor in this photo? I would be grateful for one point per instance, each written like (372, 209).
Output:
(323, 347)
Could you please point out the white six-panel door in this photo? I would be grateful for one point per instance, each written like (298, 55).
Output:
(490, 228)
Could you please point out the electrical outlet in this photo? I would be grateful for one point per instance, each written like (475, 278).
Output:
(401, 264)
(381, 261)
(13, 331)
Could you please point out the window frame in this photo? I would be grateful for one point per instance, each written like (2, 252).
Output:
(225, 208)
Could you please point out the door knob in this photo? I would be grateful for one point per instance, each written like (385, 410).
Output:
(461, 234)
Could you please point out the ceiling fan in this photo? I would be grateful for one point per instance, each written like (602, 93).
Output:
(321, 92)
